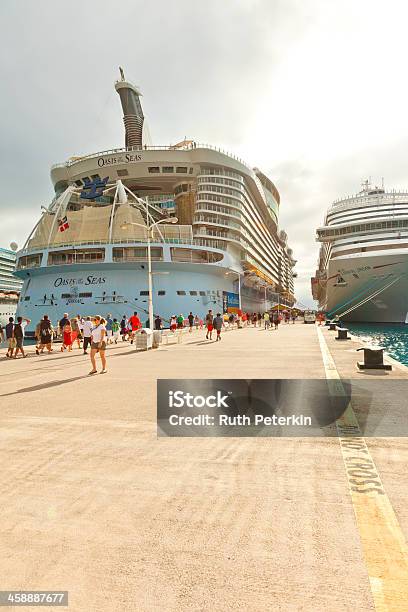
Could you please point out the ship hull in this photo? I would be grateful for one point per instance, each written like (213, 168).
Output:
(361, 278)
(122, 289)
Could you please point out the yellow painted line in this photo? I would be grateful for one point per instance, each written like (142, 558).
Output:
(384, 546)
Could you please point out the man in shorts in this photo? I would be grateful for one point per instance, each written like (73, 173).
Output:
(11, 342)
(209, 318)
(87, 326)
(19, 335)
(135, 324)
(218, 323)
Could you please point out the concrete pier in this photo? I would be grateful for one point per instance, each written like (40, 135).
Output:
(94, 503)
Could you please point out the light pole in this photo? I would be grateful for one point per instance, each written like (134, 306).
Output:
(149, 257)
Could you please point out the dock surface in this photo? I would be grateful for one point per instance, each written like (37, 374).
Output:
(92, 502)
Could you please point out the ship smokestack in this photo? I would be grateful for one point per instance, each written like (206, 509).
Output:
(133, 117)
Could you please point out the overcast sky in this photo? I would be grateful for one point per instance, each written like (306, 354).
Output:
(313, 92)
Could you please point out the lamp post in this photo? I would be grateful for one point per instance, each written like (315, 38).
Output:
(149, 257)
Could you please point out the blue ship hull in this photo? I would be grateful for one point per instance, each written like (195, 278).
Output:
(90, 289)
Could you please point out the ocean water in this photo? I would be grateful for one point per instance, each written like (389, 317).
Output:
(392, 337)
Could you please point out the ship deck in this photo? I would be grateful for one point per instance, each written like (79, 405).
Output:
(94, 503)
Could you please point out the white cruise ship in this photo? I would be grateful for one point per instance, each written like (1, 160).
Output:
(209, 220)
(363, 261)
(10, 285)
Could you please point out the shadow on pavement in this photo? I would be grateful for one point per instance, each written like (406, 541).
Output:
(47, 385)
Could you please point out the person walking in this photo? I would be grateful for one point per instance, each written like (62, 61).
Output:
(218, 323)
(62, 324)
(98, 344)
(197, 321)
(294, 317)
(115, 330)
(190, 322)
(11, 341)
(87, 333)
(37, 337)
(209, 320)
(123, 328)
(109, 331)
(19, 333)
(266, 320)
(135, 325)
(180, 321)
(46, 333)
(158, 323)
(67, 338)
(76, 331)
(173, 323)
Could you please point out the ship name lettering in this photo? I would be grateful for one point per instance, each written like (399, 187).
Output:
(132, 158)
(94, 280)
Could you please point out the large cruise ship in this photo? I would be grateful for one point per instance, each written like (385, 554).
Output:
(10, 285)
(209, 220)
(363, 261)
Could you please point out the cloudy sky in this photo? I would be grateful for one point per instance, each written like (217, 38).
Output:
(312, 92)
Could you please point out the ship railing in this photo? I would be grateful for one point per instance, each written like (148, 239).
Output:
(192, 146)
(74, 244)
(381, 200)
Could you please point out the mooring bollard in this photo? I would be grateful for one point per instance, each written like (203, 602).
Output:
(342, 334)
(332, 326)
(373, 359)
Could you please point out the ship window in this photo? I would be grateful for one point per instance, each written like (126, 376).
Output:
(154, 169)
(161, 293)
(181, 169)
(65, 296)
(193, 292)
(122, 172)
(136, 254)
(96, 176)
(79, 183)
(202, 292)
(27, 298)
(85, 295)
(57, 258)
(168, 169)
(191, 171)
(181, 293)
(144, 293)
(29, 261)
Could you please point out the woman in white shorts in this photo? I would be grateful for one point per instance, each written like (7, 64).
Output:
(98, 344)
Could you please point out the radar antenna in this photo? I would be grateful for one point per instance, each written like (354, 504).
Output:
(122, 74)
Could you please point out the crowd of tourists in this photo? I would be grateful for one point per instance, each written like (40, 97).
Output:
(96, 333)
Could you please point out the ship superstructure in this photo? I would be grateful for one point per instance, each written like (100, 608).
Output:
(363, 259)
(88, 251)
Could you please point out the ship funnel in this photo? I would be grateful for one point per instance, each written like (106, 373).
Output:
(133, 117)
